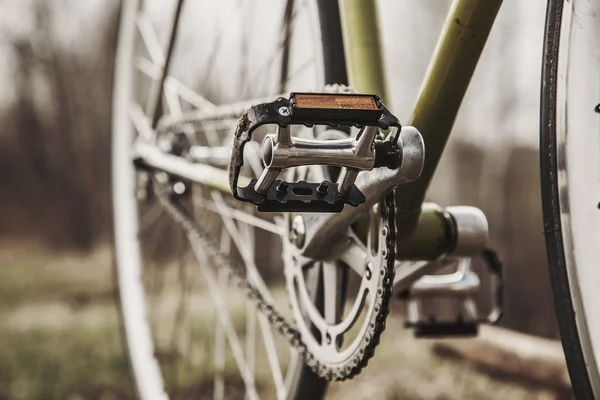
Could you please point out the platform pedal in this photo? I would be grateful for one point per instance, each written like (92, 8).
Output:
(366, 151)
(463, 285)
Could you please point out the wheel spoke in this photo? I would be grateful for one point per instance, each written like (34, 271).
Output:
(248, 233)
(156, 90)
(242, 246)
(223, 314)
(150, 218)
(248, 87)
(173, 102)
(272, 358)
(267, 335)
(241, 216)
(141, 123)
(219, 382)
(180, 313)
(207, 67)
(187, 94)
(150, 39)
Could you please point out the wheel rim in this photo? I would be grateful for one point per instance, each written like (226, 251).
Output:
(578, 169)
(141, 340)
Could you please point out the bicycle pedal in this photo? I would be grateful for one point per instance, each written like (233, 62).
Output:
(463, 285)
(282, 150)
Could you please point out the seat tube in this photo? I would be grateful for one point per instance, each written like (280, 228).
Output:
(362, 46)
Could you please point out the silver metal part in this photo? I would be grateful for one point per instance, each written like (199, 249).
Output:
(471, 230)
(284, 151)
(285, 111)
(463, 282)
(364, 149)
(408, 272)
(154, 157)
(323, 231)
(216, 156)
(298, 231)
(371, 301)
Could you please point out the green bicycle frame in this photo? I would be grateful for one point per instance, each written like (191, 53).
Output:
(421, 233)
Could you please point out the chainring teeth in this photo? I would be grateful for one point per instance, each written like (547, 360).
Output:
(373, 326)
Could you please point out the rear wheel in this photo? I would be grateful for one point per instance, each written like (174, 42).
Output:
(570, 172)
(189, 334)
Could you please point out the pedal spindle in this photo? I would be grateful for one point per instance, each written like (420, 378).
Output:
(282, 150)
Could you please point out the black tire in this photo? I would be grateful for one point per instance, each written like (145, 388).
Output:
(551, 208)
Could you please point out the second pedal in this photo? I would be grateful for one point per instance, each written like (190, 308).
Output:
(462, 285)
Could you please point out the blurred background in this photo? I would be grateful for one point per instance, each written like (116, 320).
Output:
(59, 333)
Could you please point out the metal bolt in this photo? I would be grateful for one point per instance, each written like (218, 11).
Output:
(179, 188)
(283, 187)
(298, 231)
(369, 271)
(284, 111)
(323, 187)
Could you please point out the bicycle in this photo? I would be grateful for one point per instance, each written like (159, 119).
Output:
(337, 181)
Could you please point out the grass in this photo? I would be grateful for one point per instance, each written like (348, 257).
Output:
(60, 339)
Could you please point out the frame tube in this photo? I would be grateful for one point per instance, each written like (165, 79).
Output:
(461, 43)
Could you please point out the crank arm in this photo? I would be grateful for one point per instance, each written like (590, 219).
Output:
(322, 231)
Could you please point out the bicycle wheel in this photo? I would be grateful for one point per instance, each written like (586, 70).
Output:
(570, 178)
(225, 52)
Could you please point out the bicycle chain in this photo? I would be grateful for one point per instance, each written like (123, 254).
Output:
(200, 237)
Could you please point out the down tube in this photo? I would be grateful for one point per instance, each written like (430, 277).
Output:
(461, 43)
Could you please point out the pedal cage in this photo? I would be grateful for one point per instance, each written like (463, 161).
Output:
(464, 286)
(301, 196)
(282, 151)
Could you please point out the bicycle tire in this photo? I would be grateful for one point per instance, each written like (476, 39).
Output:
(567, 297)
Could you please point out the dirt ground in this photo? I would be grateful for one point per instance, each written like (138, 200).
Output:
(60, 339)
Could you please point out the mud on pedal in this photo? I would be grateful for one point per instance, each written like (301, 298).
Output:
(366, 151)
(463, 285)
